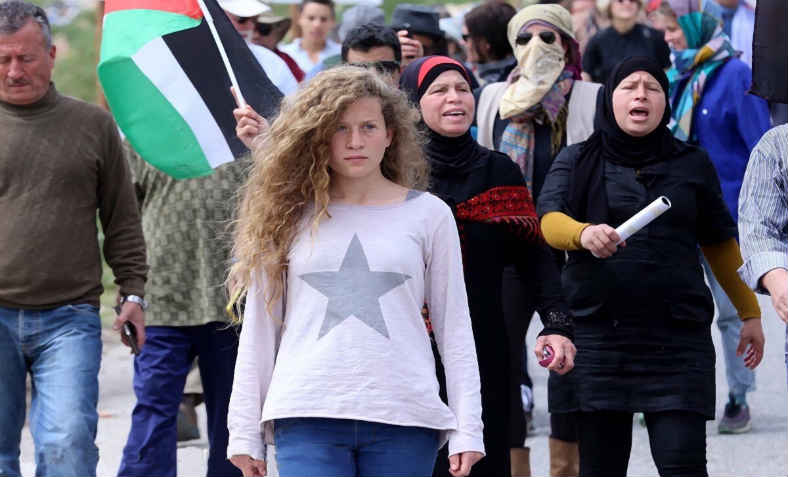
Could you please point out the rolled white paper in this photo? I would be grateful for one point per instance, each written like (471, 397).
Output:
(643, 218)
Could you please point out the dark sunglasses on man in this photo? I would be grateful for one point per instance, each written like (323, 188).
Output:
(264, 29)
(383, 66)
(546, 36)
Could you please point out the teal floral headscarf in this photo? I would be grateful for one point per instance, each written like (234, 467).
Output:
(708, 47)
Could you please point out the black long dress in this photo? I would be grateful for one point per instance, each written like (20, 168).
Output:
(476, 185)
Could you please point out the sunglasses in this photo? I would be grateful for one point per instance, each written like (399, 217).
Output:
(263, 29)
(546, 36)
(243, 20)
(382, 67)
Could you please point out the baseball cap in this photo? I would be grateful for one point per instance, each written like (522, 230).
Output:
(244, 8)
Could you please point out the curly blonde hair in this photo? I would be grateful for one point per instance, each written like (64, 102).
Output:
(290, 169)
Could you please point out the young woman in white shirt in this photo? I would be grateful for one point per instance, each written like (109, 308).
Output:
(339, 248)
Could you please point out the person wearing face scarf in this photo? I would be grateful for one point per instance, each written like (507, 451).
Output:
(712, 107)
(498, 227)
(541, 108)
(641, 309)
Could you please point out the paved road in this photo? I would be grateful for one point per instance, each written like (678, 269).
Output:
(762, 452)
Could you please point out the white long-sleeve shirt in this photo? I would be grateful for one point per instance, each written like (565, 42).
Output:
(353, 343)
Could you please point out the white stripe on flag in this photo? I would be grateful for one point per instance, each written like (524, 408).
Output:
(156, 61)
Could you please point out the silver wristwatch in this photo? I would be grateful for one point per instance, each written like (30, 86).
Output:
(135, 299)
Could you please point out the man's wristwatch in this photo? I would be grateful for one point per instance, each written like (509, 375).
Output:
(135, 299)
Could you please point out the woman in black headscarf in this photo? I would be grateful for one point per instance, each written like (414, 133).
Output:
(642, 310)
(498, 226)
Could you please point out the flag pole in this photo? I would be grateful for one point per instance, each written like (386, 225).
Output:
(209, 19)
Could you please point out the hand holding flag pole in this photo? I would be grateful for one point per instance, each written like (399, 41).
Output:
(239, 97)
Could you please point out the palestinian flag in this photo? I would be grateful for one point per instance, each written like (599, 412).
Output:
(167, 87)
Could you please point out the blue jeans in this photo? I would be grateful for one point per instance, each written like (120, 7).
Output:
(344, 447)
(159, 376)
(741, 379)
(61, 349)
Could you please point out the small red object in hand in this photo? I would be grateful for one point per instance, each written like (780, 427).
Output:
(547, 356)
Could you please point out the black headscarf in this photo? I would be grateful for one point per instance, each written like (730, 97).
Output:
(447, 155)
(587, 198)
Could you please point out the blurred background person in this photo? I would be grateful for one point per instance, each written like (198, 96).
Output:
(268, 31)
(353, 17)
(588, 18)
(243, 14)
(624, 37)
(376, 46)
(316, 19)
(488, 50)
(452, 29)
(712, 107)
(418, 27)
(738, 22)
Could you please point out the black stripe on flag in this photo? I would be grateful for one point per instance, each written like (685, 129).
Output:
(198, 55)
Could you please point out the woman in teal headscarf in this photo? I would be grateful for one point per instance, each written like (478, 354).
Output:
(712, 108)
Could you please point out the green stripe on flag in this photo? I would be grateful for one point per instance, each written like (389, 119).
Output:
(141, 107)
(126, 31)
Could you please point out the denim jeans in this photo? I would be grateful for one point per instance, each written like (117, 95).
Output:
(159, 375)
(344, 447)
(61, 349)
(741, 379)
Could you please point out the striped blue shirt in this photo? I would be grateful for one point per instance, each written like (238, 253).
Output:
(763, 208)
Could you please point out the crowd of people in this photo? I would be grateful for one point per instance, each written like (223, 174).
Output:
(356, 291)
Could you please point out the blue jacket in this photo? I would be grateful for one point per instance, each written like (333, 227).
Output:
(727, 123)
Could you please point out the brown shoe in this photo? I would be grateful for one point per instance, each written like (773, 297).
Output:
(564, 458)
(521, 461)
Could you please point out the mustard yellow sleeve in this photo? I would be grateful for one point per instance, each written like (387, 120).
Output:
(561, 231)
(725, 259)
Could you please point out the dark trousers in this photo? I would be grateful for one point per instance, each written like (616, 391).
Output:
(677, 438)
(159, 376)
(563, 426)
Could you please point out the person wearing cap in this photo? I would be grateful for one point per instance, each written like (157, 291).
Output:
(242, 14)
(268, 32)
(625, 37)
(487, 46)
(316, 19)
(419, 29)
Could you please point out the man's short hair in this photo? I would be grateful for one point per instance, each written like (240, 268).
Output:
(366, 37)
(490, 21)
(14, 14)
(328, 3)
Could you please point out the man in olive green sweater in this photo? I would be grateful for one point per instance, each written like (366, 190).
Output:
(61, 160)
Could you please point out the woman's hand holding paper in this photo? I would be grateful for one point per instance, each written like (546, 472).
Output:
(601, 240)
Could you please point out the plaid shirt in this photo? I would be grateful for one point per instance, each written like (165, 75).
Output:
(186, 226)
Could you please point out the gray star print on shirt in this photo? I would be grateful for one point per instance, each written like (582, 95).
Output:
(353, 290)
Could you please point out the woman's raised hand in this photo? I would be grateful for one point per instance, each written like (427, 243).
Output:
(248, 125)
(249, 466)
(601, 240)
